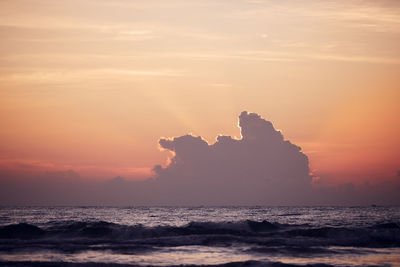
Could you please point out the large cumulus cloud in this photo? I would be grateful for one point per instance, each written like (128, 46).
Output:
(259, 168)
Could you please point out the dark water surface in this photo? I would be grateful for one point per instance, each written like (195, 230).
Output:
(169, 236)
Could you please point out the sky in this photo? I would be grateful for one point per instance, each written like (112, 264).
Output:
(89, 87)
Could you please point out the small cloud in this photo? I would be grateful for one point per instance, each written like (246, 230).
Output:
(136, 33)
(68, 174)
(117, 181)
(132, 72)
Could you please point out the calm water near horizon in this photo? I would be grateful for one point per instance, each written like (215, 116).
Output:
(166, 236)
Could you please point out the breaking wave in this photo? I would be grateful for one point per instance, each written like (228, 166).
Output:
(261, 233)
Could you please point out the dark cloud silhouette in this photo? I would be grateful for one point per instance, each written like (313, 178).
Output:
(386, 192)
(57, 188)
(259, 168)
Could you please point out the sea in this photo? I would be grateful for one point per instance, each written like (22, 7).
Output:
(200, 236)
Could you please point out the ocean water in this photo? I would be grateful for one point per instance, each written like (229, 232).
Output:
(218, 236)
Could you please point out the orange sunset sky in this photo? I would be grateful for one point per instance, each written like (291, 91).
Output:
(91, 85)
